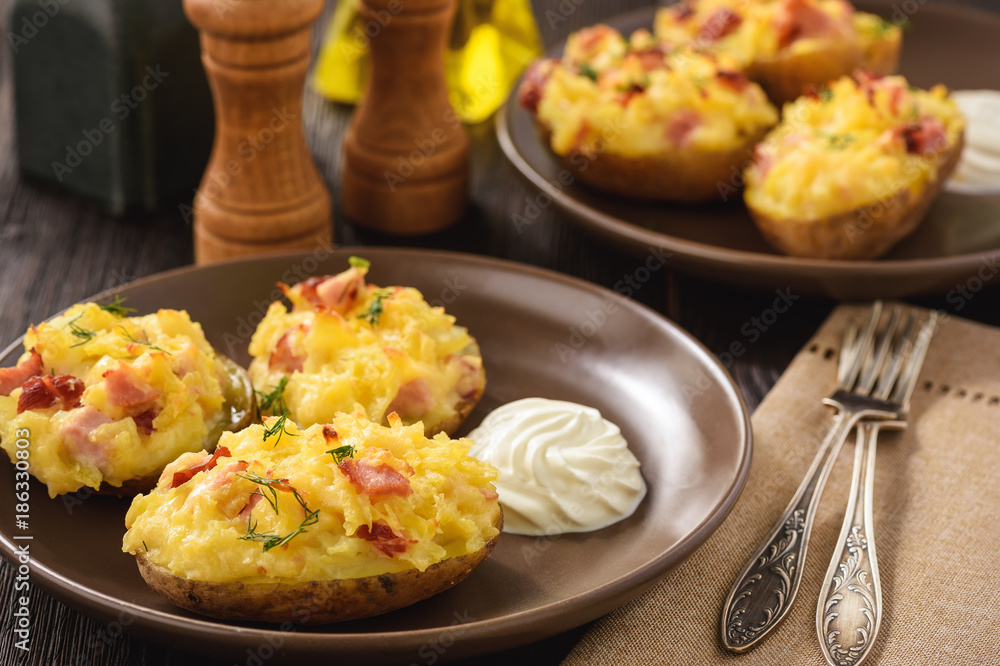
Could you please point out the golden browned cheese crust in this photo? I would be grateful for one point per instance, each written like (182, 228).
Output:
(864, 233)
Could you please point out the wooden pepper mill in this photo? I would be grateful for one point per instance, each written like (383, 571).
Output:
(406, 155)
(261, 191)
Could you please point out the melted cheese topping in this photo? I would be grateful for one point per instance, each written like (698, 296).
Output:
(197, 529)
(847, 148)
(355, 358)
(165, 353)
(756, 31)
(630, 99)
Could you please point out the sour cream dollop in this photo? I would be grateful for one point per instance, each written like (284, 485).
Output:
(978, 170)
(563, 467)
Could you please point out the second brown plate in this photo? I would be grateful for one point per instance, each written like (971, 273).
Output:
(958, 241)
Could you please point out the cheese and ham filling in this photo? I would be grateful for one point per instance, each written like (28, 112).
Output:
(345, 499)
(107, 398)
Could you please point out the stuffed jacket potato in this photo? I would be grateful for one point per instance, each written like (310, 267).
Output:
(851, 170)
(627, 117)
(337, 521)
(347, 342)
(106, 401)
(787, 46)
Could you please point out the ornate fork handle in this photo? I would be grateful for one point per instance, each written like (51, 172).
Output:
(850, 604)
(765, 589)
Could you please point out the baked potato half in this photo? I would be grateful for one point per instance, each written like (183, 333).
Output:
(626, 117)
(333, 522)
(104, 401)
(852, 170)
(347, 342)
(787, 46)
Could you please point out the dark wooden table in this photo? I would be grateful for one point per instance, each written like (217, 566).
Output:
(57, 249)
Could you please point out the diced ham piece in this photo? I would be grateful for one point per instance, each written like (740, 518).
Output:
(682, 11)
(376, 480)
(329, 433)
(284, 356)
(208, 462)
(76, 431)
(383, 538)
(529, 94)
(62, 391)
(737, 81)
(144, 420)
(126, 388)
(588, 40)
(650, 59)
(470, 380)
(680, 126)
(413, 399)
(12, 378)
(719, 23)
(926, 138)
(801, 19)
(255, 498)
(763, 160)
(336, 293)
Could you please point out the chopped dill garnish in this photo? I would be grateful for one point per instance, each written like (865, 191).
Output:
(841, 141)
(358, 262)
(837, 141)
(278, 428)
(274, 401)
(144, 342)
(588, 71)
(117, 307)
(825, 94)
(144, 546)
(85, 335)
(270, 489)
(376, 308)
(341, 452)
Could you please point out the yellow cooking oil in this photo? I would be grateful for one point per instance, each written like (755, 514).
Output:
(491, 43)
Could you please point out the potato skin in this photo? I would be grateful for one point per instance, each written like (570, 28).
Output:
(313, 602)
(683, 175)
(466, 403)
(867, 232)
(242, 407)
(784, 77)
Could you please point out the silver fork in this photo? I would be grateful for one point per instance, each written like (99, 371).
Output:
(849, 611)
(766, 587)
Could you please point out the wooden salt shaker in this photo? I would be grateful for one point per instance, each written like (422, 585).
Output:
(406, 155)
(261, 191)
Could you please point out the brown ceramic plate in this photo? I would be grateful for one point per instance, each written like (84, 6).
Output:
(541, 334)
(958, 238)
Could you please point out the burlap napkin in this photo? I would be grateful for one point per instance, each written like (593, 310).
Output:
(937, 521)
